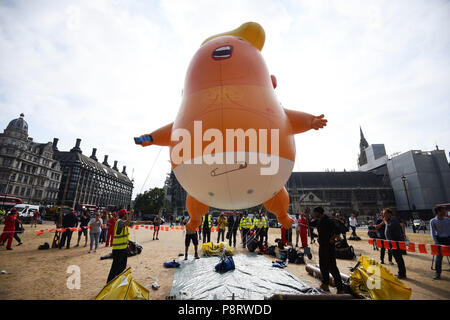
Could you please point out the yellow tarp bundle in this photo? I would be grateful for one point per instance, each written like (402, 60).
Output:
(371, 280)
(212, 249)
(123, 287)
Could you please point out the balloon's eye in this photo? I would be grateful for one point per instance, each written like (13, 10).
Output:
(223, 52)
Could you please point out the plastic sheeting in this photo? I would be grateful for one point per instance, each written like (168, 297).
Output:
(253, 279)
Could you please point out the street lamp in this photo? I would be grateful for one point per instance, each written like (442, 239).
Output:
(406, 191)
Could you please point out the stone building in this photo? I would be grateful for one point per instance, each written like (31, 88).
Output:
(28, 170)
(344, 192)
(85, 180)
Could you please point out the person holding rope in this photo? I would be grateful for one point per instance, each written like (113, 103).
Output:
(303, 228)
(440, 231)
(120, 244)
(190, 236)
(328, 234)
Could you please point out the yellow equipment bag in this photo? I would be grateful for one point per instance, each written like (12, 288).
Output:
(123, 287)
(212, 249)
(371, 280)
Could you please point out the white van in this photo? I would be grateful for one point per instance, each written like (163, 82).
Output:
(26, 210)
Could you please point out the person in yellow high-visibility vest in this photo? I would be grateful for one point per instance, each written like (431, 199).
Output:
(120, 244)
(245, 225)
(206, 226)
(258, 227)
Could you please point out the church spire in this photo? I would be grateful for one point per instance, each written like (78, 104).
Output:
(362, 158)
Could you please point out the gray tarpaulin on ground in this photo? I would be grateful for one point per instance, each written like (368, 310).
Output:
(253, 279)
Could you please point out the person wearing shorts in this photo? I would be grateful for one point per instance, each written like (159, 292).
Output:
(190, 236)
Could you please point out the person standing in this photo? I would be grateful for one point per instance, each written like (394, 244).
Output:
(84, 220)
(206, 227)
(245, 226)
(394, 232)
(303, 229)
(156, 225)
(104, 228)
(95, 225)
(422, 226)
(9, 229)
(311, 226)
(258, 227)
(35, 218)
(266, 227)
(110, 235)
(190, 236)
(353, 223)
(381, 227)
(440, 231)
(222, 224)
(328, 234)
(296, 226)
(120, 244)
(68, 221)
(233, 226)
(372, 233)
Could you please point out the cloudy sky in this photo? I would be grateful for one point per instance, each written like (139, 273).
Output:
(106, 71)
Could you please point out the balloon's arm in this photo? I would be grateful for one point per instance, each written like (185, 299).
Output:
(302, 121)
(160, 137)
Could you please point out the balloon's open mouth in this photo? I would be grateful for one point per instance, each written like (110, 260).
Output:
(223, 52)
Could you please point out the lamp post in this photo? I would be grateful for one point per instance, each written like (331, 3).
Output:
(406, 192)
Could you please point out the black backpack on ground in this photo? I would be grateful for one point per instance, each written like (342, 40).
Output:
(343, 250)
(133, 248)
(295, 257)
(252, 243)
(44, 246)
(271, 251)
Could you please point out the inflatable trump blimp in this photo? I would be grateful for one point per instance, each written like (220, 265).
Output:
(232, 143)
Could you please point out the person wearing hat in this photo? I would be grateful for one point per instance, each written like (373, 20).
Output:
(120, 244)
(9, 229)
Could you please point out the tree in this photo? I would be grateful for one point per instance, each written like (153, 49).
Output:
(151, 201)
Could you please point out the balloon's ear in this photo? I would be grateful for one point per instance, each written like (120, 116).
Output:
(249, 31)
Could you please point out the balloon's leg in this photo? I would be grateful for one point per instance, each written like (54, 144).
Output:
(279, 206)
(196, 210)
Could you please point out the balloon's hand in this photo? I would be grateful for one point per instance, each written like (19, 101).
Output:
(319, 122)
(144, 140)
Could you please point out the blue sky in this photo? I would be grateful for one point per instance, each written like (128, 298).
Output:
(106, 71)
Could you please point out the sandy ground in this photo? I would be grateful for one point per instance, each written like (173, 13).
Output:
(42, 274)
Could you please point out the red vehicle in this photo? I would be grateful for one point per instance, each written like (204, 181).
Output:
(8, 202)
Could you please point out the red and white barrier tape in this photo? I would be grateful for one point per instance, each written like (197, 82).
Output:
(421, 247)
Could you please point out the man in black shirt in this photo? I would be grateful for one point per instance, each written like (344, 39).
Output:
(380, 226)
(233, 226)
(394, 232)
(68, 221)
(328, 234)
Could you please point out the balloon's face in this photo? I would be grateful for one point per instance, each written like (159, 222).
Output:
(232, 143)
